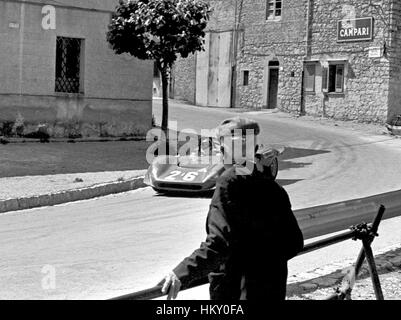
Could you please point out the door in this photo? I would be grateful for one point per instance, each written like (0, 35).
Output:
(213, 71)
(273, 88)
(213, 76)
(224, 73)
(202, 74)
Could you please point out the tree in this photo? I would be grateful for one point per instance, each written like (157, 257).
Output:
(159, 30)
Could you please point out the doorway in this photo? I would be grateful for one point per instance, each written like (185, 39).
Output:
(213, 71)
(273, 84)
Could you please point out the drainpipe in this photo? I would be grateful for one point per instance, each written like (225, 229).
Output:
(388, 44)
(237, 22)
(308, 50)
(309, 18)
(21, 46)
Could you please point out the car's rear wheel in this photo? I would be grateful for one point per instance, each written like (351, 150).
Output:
(274, 168)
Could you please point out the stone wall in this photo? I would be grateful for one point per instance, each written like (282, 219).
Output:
(185, 79)
(371, 85)
(263, 41)
(223, 15)
(221, 19)
(366, 85)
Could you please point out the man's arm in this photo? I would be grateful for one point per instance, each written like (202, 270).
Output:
(217, 245)
(292, 237)
(215, 249)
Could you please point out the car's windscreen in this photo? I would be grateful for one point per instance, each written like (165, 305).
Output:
(207, 146)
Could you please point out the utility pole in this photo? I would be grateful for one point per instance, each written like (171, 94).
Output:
(21, 46)
(237, 23)
(308, 51)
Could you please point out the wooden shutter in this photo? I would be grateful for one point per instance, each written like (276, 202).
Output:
(340, 78)
(270, 9)
(310, 77)
(325, 79)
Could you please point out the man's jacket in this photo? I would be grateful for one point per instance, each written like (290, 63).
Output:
(251, 234)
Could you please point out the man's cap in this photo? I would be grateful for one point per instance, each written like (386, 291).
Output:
(229, 126)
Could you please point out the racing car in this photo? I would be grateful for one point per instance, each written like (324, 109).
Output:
(199, 171)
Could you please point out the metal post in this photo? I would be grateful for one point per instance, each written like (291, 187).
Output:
(375, 227)
(349, 280)
(372, 269)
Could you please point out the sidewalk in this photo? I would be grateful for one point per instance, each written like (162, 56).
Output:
(319, 288)
(18, 193)
(326, 267)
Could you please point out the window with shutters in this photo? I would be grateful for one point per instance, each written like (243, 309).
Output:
(333, 78)
(273, 9)
(68, 65)
(309, 77)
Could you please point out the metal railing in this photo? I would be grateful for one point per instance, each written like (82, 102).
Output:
(363, 231)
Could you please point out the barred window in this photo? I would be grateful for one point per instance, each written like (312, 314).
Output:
(273, 9)
(68, 65)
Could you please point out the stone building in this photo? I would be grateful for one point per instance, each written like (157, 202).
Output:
(205, 78)
(337, 58)
(58, 72)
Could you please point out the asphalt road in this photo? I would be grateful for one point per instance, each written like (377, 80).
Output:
(114, 245)
(322, 163)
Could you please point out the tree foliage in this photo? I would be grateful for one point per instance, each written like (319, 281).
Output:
(158, 29)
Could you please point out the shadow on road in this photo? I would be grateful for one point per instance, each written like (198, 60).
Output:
(286, 182)
(294, 153)
(285, 165)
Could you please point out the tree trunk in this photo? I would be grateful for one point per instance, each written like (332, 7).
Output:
(165, 100)
(164, 75)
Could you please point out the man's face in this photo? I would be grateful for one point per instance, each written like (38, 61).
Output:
(237, 149)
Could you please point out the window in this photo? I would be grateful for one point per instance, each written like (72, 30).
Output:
(245, 78)
(273, 9)
(68, 65)
(333, 78)
(156, 72)
(274, 63)
(309, 77)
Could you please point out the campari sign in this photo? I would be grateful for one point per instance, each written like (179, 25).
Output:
(355, 30)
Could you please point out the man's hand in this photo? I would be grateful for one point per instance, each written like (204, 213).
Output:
(171, 286)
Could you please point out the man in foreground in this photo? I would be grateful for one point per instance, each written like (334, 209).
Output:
(251, 229)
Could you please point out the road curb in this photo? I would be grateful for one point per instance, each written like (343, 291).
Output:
(70, 195)
(386, 262)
